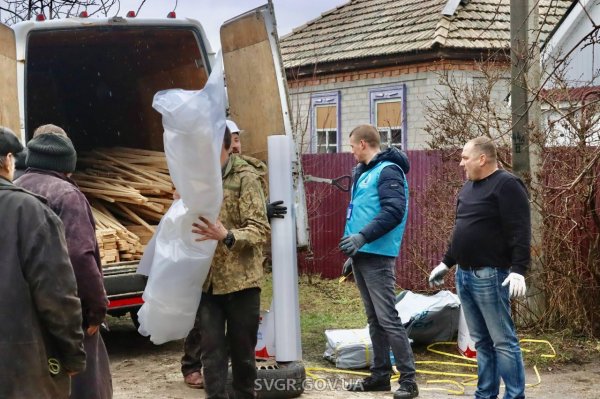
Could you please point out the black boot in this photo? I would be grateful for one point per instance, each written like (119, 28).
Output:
(407, 390)
(369, 384)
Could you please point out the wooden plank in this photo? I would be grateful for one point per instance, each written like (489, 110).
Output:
(252, 85)
(9, 105)
(135, 217)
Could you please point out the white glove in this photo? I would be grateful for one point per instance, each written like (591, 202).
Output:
(517, 286)
(436, 278)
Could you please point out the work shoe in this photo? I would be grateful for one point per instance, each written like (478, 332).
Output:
(194, 380)
(369, 384)
(407, 390)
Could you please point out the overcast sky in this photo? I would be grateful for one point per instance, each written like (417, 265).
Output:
(212, 13)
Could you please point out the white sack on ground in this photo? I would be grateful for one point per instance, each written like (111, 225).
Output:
(194, 123)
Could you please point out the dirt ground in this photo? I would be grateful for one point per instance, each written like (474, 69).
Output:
(143, 370)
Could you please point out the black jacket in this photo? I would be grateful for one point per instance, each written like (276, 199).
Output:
(391, 192)
(40, 314)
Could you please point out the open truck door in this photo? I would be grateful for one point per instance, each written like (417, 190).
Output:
(9, 104)
(257, 93)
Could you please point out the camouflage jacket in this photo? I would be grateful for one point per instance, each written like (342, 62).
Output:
(244, 214)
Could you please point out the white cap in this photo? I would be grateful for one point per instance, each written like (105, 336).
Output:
(232, 126)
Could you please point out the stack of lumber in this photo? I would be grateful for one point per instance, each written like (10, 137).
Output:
(129, 190)
(116, 242)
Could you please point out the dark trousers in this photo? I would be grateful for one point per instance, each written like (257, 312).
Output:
(190, 362)
(375, 277)
(228, 325)
(95, 381)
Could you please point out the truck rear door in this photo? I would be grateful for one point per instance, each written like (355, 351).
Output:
(9, 105)
(257, 92)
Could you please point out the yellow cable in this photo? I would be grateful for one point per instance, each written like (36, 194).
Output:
(470, 379)
(450, 391)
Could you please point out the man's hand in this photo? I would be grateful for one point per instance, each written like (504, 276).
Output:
(91, 330)
(517, 287)
(208, 230)
(436, 278)
(276, 210)
(352, 243)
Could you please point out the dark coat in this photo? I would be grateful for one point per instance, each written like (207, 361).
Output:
(71, 206)
(390, 188)
(69, 203)
(40, 314)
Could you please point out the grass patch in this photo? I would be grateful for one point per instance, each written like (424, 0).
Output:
(327, 304)
(324, 304)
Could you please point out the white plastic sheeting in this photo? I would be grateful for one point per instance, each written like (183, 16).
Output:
(177, 265)
(286, 308)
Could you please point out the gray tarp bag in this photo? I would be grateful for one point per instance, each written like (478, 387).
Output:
(349, 349)
(427, 319)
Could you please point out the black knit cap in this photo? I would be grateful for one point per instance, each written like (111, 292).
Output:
(51, 151)
(9, 143)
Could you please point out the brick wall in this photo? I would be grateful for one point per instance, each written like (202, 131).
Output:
(421, 82)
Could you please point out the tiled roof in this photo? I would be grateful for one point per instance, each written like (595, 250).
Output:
(371, 28)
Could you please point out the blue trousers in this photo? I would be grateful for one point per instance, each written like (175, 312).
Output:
(375, 277)
(486, 306)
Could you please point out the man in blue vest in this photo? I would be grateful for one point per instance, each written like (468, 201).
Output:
(375, 223)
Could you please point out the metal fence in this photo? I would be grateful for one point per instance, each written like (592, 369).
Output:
(327, 208)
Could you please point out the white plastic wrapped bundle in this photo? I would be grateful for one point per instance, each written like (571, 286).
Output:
(177, 265)
(286, 306)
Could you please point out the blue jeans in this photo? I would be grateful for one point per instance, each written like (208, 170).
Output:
(375, 277)
(486, 307)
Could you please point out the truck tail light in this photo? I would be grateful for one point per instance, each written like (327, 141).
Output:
(84, 14)
(172, 15)
(40, 17)
(130, 14)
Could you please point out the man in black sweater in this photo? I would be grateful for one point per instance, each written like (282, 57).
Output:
(490, 244)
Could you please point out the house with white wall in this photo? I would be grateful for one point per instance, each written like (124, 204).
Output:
(379, 61)
(571, 64)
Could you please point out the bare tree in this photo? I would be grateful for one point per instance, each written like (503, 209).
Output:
(13, 11)
(566, 192)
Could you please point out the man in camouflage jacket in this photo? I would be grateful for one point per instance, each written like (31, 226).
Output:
(230, 306)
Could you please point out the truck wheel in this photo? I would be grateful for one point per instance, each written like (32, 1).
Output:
(276, 380)
(134, 318)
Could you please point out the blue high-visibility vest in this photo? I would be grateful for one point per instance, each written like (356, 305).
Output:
(365, 205)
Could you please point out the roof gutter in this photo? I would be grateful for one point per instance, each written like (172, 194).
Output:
(362, 64)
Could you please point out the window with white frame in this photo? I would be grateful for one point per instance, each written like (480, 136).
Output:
(387, 114)
(325, 123)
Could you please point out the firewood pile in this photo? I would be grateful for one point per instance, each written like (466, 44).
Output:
(129, 191)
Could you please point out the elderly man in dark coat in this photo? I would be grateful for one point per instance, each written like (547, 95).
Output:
(50, 161)
(40, 314)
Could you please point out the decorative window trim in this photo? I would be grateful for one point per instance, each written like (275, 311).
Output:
(318, 99)
(390, 93)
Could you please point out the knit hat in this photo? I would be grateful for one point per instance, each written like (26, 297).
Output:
(9, 143)
(51, 151)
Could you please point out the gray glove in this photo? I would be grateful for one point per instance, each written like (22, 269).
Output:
(347, 268)
(352, 243)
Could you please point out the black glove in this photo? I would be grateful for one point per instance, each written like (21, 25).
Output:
(352, 243)
(276, 210)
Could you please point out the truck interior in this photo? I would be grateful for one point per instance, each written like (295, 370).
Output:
(98, 82)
